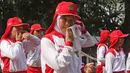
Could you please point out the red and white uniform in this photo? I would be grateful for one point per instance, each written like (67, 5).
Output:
(34, 56)
(13, 53)
(57, 54)
(128, 63)
(115, 57)
(34, 60)
(60, 57)
(115, 61)
(101, 51)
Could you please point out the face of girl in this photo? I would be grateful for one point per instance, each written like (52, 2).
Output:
(66, 21)
(38, 33)
(17, 29)
(121, 40)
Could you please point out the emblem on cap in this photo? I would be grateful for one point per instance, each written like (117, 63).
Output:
(70, 7)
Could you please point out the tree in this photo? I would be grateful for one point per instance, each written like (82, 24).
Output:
(96, 14)
(31, 11)
(102, 14)
(126, 26)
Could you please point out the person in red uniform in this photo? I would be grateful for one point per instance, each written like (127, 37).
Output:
(15, 44)
(33, 56)
(101, 50)
(115, 57)
(61, 46)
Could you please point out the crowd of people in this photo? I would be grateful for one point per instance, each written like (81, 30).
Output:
(58, 51)
(110, 54)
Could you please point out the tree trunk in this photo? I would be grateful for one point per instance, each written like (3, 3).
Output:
(126, 26)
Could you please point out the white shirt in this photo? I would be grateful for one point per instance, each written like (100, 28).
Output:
(34, 57)
(101, 51)
(115, 63)
(13, 54)
(128, 62)
(61, 57)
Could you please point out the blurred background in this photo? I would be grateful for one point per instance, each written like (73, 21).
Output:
(96, 15)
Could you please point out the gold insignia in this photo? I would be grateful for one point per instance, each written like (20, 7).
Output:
(70, 7)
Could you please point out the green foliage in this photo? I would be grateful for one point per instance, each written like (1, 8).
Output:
(102, 14)
(96, 14)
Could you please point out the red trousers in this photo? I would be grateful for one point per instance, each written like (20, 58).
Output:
(34, 69)
(16, 72)
(119, 72)
(128, 71)
(99, 69)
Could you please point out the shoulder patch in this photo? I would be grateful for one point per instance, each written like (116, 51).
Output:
(49, 36)
(111, 51)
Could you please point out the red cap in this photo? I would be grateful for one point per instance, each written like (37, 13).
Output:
(115, 35)
(36, 27)
(63, 8)
(15, 21)
(103, 36)
(67, 8)
(118, 33)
